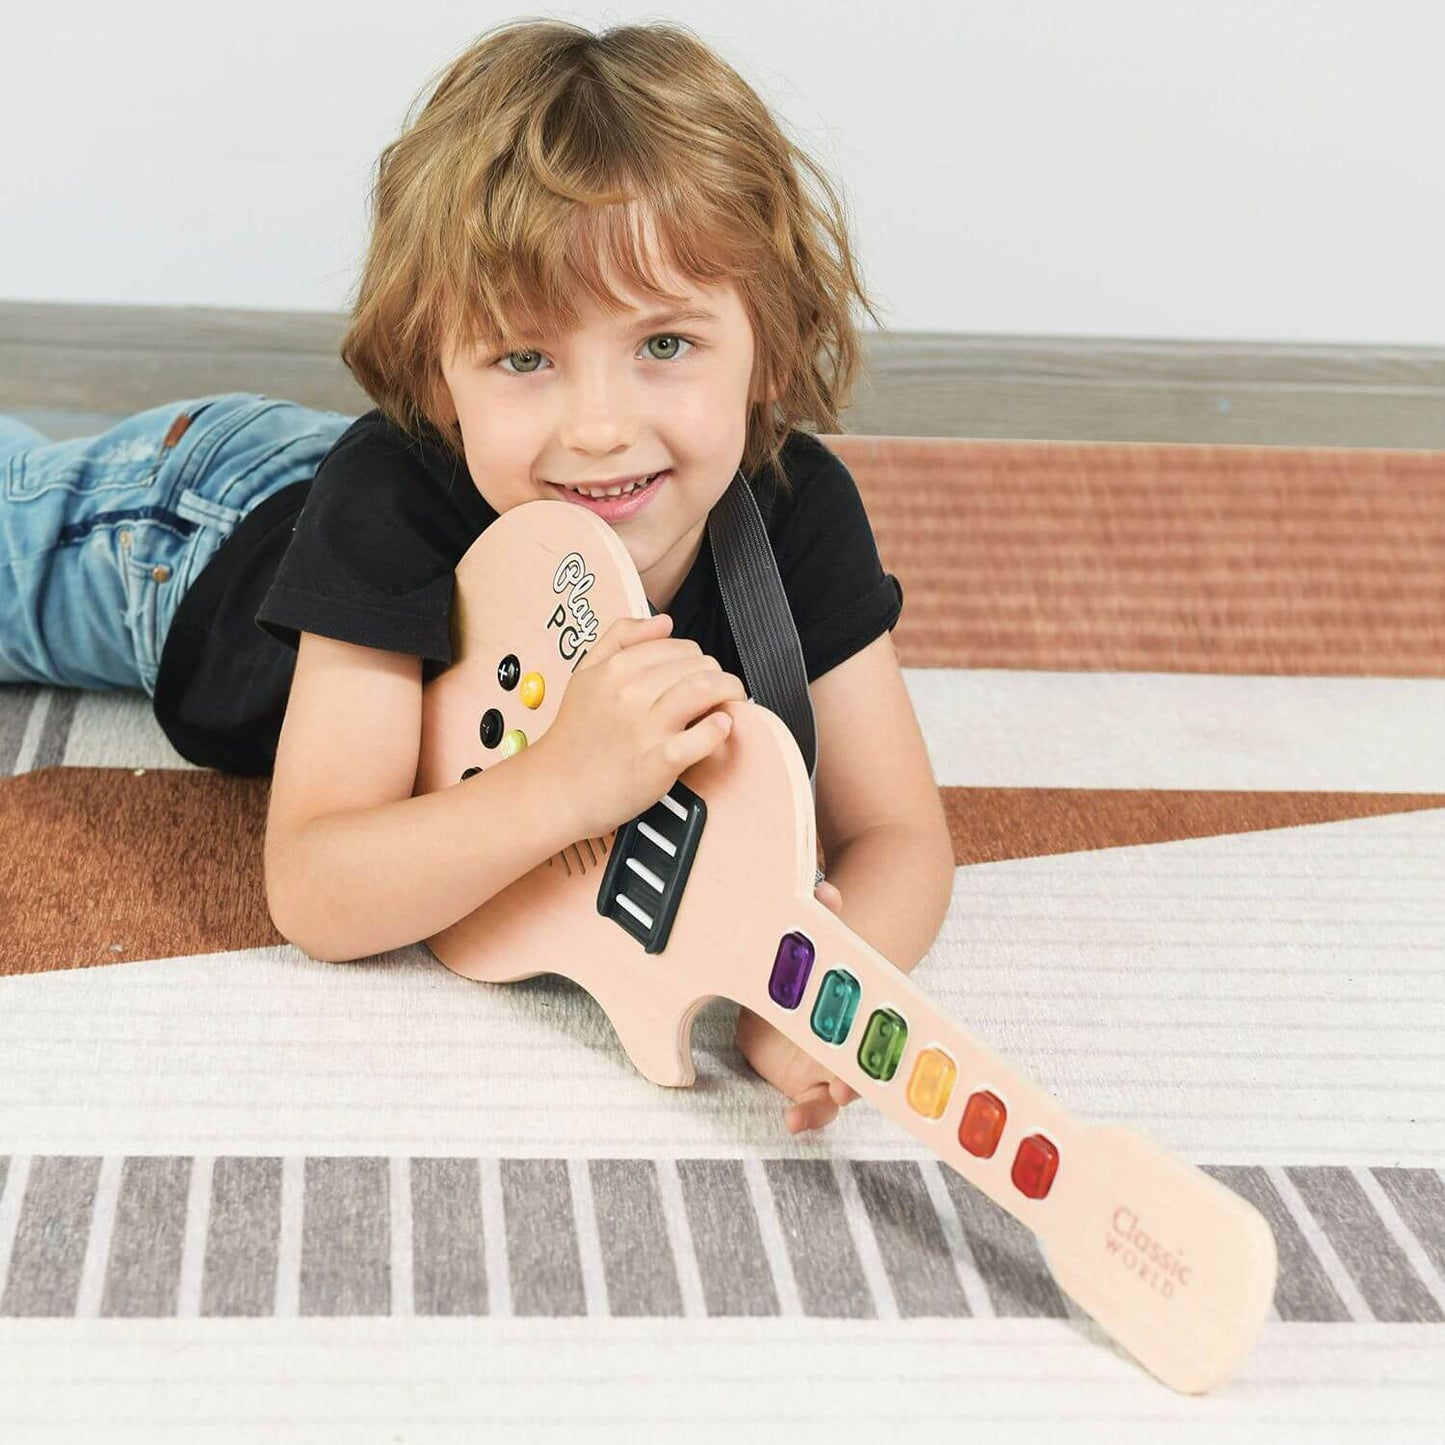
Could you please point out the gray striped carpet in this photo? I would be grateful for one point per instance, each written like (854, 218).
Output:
(153, 1236)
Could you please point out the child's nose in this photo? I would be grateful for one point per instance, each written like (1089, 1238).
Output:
(601, 415)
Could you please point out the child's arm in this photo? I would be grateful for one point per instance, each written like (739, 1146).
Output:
(354, 864)
(879, 811)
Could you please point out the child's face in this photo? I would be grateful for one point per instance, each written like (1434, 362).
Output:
(617, 398)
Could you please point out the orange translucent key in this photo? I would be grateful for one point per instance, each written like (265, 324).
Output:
(982, 1124)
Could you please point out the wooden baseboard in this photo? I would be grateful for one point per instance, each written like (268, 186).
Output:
(58, 358)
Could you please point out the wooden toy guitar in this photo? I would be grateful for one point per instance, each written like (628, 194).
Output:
(710, 893)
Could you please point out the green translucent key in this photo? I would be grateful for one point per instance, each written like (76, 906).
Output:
(836, 1005)
(882, 1045)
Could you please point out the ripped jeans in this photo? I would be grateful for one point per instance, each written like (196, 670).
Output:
(101, 536)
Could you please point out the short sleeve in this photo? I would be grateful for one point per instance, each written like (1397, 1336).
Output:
(374, 551)
(841, 597)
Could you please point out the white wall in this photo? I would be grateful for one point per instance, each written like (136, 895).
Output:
(1263, 169)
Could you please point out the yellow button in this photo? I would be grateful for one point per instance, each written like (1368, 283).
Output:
(159, 574)
(513, 742)
(532, 690)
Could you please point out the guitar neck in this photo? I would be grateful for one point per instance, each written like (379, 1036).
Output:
(1176, 1267)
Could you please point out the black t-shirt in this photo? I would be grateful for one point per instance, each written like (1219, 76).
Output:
(366, 552)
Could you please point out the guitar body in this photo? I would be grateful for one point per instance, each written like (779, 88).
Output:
(547, 921)
(710, 893)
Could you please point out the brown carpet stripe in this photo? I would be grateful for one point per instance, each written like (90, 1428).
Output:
(107, 865)
(1304, 561)
(989, 824)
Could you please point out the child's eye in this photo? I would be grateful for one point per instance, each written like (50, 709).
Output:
(668, 336)
(523, 371)
(537, 355)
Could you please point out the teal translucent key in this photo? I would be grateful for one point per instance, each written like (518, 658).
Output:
(882, 1045)
(836, 1005)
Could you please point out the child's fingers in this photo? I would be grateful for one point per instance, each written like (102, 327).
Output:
(842, 1093)
(800, 1118)
(623, 632)
(812, 1109)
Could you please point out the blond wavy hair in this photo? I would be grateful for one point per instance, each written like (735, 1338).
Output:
(521, 184)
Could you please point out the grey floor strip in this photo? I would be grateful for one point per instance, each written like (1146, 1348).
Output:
(143, 1273)
(830, 1275)
(345, 1262)
(243, 1237)
(50, 1237)
(346, 1237)
(449, 1273)
(1303, 1290)
(542, 1255)
(910, 1238)
(1008, 1256)
(731, 1260)
(637, 1258)
(16, 702)
(1418, 1195)
(50, 750)
(1376, 1263)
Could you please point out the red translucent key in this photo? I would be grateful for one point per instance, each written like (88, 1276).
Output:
(1035, 1165)
(982, 1124)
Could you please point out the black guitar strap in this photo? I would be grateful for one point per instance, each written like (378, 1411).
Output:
(759, 615)
(761, 620)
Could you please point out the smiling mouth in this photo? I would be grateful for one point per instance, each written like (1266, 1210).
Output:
(603, 494)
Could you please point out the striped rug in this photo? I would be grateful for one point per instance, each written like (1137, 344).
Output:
(1185, 706)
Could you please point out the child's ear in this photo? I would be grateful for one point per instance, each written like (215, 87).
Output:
(442, 404)
(771, 389)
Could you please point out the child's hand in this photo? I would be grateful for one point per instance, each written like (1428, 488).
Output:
(641, 709)
(817, 1095)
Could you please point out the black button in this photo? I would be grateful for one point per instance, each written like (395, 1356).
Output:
(509, 670)
(493, 726)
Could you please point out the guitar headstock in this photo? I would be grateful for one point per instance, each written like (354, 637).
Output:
(533, 594)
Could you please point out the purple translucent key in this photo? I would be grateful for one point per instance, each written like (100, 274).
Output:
(790, 970)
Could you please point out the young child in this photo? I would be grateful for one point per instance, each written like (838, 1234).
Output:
(593, 260)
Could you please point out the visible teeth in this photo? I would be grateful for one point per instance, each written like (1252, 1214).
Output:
(615, 491)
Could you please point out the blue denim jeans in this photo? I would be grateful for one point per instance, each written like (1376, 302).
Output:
(101, 536)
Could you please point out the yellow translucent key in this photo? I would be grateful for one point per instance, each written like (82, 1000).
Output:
(931, 1083)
